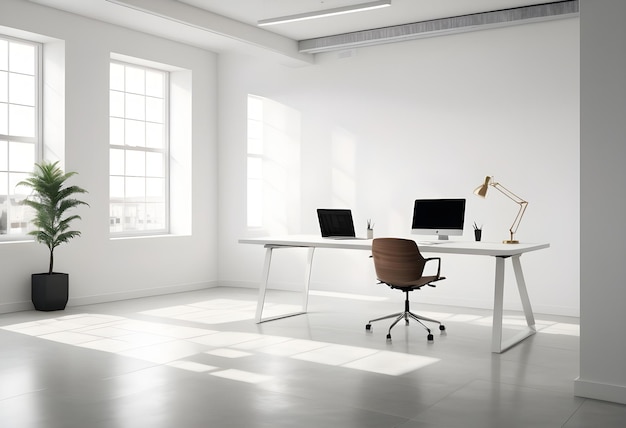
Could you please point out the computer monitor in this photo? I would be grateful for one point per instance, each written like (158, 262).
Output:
(440, 217)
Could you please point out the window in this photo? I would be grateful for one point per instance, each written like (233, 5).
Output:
(20, 141)
(139, 150)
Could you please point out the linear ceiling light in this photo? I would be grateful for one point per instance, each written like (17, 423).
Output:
(327, 12)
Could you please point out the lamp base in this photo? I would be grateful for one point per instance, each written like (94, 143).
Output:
(510, 241)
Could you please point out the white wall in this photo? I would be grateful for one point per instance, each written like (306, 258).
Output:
(603, 152)
(101, 269)
(384, 125)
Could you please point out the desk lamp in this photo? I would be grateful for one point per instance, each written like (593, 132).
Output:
(482, 192)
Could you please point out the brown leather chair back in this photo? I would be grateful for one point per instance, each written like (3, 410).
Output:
(397, 261)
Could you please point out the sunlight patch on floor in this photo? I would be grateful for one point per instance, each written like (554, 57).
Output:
(171, 345)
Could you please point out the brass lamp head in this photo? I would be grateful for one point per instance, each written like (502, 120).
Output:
(482, 189)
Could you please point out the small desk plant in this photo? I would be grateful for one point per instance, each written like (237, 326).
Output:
(51, 198)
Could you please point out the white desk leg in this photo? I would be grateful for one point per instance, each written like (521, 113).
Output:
(523, 293)
(497, 344)
(263, 287)
(307, 278)
(498, 303)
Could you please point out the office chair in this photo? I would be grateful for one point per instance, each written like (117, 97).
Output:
(400, 265)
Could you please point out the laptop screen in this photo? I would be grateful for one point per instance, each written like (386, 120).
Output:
(336, 222)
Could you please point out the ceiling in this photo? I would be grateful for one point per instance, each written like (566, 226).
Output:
(222, 25)
(400, 12)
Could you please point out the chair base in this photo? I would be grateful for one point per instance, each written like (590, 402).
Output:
(407, 315)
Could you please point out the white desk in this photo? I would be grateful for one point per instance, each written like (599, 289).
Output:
(500, 251)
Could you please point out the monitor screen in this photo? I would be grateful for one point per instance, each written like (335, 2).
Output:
(441, 217)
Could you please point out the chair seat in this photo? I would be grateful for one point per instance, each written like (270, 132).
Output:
(418, 283)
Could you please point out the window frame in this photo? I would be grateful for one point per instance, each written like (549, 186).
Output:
(165, 151)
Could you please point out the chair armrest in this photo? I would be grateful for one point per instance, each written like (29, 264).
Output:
(438, 259)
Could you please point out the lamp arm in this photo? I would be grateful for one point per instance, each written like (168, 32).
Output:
(521, 202)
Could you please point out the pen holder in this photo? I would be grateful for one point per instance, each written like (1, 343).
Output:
(478, 234)
(370, 233)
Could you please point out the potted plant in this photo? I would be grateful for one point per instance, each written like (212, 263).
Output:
(51, 198)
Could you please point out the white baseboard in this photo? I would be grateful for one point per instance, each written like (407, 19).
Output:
(600, 391)
(7, 308)
(114, 297)
(135, 294)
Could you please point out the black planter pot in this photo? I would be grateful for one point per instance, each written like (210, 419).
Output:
(50, 292)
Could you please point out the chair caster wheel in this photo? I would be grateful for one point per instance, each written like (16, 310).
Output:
(431, 338)
(368, 327)
(389, 337)
(442, 327)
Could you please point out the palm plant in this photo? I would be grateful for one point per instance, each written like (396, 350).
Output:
(51, 198)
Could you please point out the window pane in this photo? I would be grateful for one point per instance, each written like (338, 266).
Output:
(18, 218)
(3, 217)
(4, 202)
(135, 107)
(21, 121)
(14, 189)
(116, 188)
(21, 89)
(116, 78)
(154, 84)
(116, 213)
(4, 186)
(135, 133)
(21, 58)
(135, 80)
(116, 131)
(4, 157)
(4, 87)
(155, 216)
(154, 136)
(135, 189)
(4, 55)
(154, 165)
(4, 118)
(21, 156)
(154, 109)
(116, 161)
(155, 189)
(133, 217)
(135, 163)
(116, 104)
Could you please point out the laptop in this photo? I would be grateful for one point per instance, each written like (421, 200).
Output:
(336, 223)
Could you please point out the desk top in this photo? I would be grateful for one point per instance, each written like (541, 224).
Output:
(450, 247)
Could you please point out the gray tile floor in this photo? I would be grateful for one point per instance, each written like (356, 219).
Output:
(198, 360)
